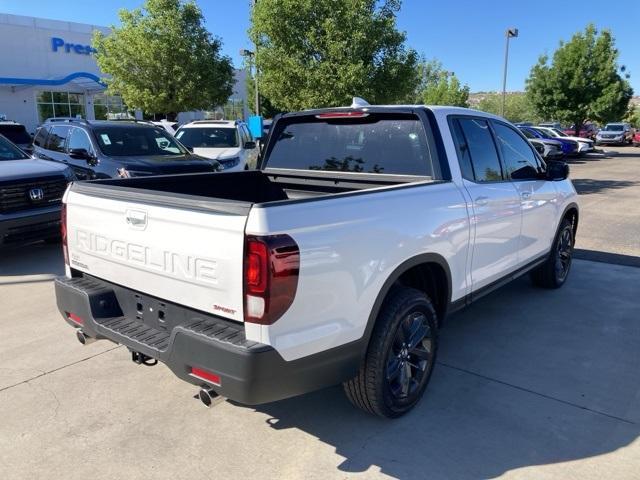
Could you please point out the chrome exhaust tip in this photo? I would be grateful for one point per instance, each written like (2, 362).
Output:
(207, 396)
(83, 338)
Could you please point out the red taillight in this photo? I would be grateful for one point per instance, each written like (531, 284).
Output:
(204, 375)
(75, 318)
(63, 233)
(271, 269)
(347, 114)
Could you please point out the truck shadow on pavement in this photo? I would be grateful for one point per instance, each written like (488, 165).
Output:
(525, 377)
(30, 263)
(586, 186)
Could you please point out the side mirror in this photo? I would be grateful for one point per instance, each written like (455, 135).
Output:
(557, 170)
(249, 145)
(80, 153)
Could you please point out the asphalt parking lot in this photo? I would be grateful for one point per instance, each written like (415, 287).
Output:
(531, 384)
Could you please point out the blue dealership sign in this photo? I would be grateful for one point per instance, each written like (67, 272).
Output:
(58, 44)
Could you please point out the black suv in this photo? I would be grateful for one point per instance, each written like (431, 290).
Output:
(111, 149)
(30, 195)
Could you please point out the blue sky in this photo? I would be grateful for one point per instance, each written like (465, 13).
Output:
(466, 36)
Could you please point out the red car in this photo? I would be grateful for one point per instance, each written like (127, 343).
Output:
(588, 130)
(636, 138)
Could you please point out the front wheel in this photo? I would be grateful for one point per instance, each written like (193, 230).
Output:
(401, 355)
(555, 270)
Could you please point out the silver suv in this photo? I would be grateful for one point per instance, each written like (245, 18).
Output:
(615, 133)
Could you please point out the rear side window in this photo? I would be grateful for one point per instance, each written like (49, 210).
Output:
(389, 144)
(476, 147)
(41, 137)
(57, 136)
(519, 159)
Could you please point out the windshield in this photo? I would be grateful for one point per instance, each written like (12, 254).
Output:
(16, 133)
(614, 128)
(8, 151)
(134, 141)
(559, 133)
(370, 145)
(208, 137)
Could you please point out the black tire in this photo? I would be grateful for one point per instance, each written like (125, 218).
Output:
(394, 373)
(555, 270)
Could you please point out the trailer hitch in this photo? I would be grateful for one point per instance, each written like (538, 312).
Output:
(142, 359)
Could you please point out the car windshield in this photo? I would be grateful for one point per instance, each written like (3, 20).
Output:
(614, 128)
(15, 133)
(120, 141)
(550, 132)
(208, 137)
(559, 133)
(8, 151)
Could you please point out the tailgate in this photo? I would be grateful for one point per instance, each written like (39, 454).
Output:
(190, 256)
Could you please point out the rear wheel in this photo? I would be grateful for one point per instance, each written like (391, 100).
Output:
(555, 270)
(398, 364)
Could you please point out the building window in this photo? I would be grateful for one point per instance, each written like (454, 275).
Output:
(108, 107)
(59, 104)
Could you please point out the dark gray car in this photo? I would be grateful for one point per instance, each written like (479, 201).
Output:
(116, 149)
(30, 195)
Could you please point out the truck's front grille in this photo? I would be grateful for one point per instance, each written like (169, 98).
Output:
(37, 193)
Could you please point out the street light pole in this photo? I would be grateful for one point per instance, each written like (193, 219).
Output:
(255, 64)
(511, 32)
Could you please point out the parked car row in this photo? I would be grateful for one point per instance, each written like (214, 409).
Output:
(34, 174)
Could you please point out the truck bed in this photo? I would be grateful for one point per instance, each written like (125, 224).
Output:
(237, 191)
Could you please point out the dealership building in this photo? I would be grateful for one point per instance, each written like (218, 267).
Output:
(47, 69)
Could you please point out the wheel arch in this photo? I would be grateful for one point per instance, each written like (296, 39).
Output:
(411, 273)
(572, 212)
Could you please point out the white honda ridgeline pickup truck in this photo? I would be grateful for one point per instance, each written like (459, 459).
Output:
(336, 261)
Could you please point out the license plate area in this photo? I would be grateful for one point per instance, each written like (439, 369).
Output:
(149, 310)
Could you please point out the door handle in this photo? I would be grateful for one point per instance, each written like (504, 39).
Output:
(525, 195)
(481, 201)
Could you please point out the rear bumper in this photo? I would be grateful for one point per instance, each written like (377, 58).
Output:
(250, 373)
(29, 225)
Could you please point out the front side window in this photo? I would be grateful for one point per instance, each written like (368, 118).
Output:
(208, 137)
(375, 144)
(478, 142)
(9, 151)
(79, 140)
(56, 138)
(136, 141)
(520, 161)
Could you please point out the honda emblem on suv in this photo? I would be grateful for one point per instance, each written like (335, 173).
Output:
(36, 194)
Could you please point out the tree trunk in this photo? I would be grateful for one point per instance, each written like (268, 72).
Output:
(578, 127)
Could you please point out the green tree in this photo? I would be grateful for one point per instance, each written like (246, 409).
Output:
(267, 109)
(437, 86)
(582, 82)
(319, 53)
(633, 115)
(517, 107)
(163, 60)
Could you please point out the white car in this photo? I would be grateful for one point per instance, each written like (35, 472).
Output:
(169, 126)
(584, 144)
(336, 261)
(228, 142)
